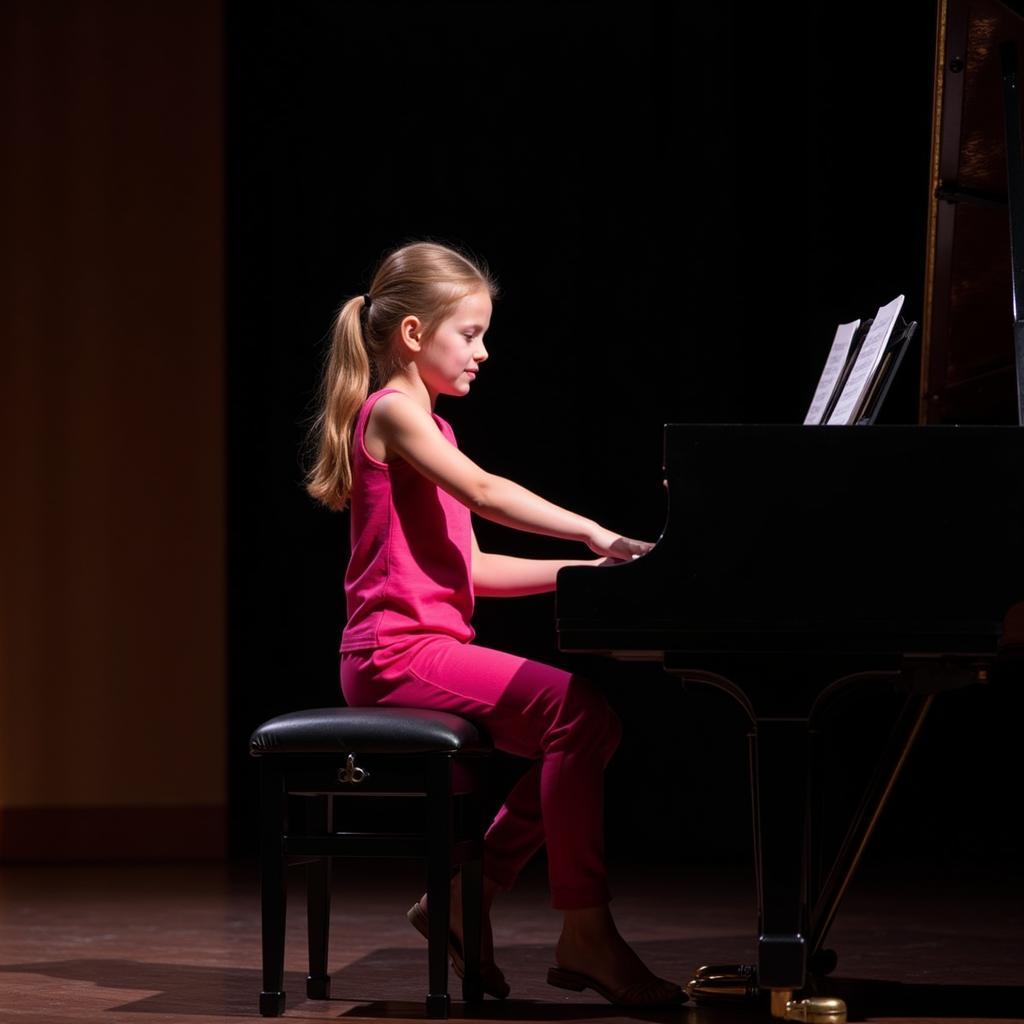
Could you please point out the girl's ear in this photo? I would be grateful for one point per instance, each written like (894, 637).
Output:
(410, 332)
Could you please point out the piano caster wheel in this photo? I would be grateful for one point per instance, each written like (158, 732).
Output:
(823, 962)
(781, 999)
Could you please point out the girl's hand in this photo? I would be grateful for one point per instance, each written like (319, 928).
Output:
(614, 546)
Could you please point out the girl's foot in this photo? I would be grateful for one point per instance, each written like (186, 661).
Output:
(455, 915)
(592, 954)
(492, 980)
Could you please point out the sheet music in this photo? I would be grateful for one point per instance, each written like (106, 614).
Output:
(830, 374)
(870, 355)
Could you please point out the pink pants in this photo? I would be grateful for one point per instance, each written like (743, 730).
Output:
(529, 709)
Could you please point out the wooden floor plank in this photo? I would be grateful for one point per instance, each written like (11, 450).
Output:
(180, 944)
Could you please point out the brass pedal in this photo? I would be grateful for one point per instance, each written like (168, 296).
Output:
(736, 983)
(816, 1010)
(727, 983)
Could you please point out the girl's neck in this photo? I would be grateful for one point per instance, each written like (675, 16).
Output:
(410, 383)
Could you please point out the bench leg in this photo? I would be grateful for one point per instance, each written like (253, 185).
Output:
(273, 887)
(472, 915)
(318, 903)
(439, 873)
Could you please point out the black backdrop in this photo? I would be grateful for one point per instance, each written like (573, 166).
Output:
(680, 204)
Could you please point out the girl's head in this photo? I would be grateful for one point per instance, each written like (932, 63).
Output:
(413, 296)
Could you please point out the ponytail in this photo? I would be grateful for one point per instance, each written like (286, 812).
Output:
(346, 383)
(422, 279)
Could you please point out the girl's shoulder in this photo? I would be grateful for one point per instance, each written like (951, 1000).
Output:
(389, 404)
(388, 411)
(382, 405)
(400, 409)
(381, 393)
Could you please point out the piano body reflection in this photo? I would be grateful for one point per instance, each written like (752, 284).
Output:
(797, 562)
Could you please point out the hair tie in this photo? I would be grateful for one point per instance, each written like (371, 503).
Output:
(366, 301)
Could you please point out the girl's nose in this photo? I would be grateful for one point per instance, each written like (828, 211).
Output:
(481, 355)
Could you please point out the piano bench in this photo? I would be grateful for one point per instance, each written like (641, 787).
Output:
(313, 764)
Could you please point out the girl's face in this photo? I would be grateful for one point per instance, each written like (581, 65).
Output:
(450, 358)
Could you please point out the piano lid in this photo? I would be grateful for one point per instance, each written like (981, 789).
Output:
(967, 362)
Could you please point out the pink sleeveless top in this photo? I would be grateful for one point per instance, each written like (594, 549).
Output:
(410, 571)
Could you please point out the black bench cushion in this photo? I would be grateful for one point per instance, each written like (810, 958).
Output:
(367, 730)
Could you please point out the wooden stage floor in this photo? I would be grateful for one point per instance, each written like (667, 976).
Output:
(180, 943)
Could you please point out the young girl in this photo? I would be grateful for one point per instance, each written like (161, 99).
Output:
(410, 585)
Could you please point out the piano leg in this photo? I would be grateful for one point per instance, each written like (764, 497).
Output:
(780, 777)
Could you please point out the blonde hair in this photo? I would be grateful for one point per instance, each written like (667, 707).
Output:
(422, 279)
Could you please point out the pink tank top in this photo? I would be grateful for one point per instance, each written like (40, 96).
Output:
(410, 571)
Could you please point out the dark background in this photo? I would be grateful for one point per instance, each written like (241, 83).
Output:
(680, 204)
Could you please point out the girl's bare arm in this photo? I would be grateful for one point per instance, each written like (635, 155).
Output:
(410, 432)
(508, 576)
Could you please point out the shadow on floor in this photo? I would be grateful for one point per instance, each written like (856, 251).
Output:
(192, 990)
(173, 988)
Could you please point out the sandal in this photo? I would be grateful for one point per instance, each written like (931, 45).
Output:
(492, 981)
(655, 992)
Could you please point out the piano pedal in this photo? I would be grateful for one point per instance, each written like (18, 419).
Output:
(737, 983)
(819, 1009)
(724, 983)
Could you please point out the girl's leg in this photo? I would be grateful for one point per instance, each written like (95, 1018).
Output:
(539, 712)
(576, 733)
(528, 709)
(517, 831)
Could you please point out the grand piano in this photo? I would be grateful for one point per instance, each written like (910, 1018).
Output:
(798, 562)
